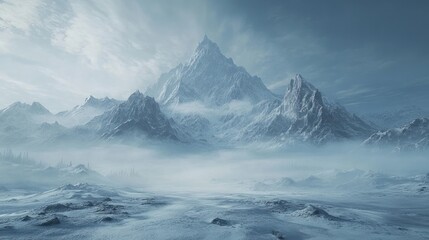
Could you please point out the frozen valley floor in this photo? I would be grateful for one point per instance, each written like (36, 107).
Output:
(226, 196)
(86, 211)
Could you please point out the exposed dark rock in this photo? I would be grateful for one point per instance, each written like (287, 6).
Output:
(109, 208)
(58, 207)
(282, 205)
(312, 211)
(221, 222)
(278, 205)
(26, 218)
(107, 219)
(153, 202)
(51, 222)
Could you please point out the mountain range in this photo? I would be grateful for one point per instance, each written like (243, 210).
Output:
(82, 114)
(210, 100)
(411, 136)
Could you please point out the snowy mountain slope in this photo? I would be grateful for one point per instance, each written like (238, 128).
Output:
(412, 136)
(33, 125)
(305, 115)
(140, 116)
(20, 122)
(315, 118)
(209, 77)
(209, 83)
(302, 115)
(396, 118)
(196, 126)
(82, 114)
(23, 113)
(211, 100)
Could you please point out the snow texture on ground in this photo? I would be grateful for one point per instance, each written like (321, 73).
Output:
(88, 211)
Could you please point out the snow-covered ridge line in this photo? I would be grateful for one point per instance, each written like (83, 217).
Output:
(206, 100)
(411, 136)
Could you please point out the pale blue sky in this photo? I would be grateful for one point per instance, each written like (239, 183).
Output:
(368, 55)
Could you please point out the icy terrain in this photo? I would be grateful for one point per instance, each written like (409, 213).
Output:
(209, 152)
(58, 199)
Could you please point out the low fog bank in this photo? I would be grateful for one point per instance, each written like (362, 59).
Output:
(200, 168)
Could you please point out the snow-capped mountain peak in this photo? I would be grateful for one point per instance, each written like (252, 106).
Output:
(38, 108)
(35, 108)
(300, 98)
(208, 51)
(91, 108)
(105, 102)
(136, 96)
(137, 106)
(139, 116)
(304, 114)
(211, 78)
(300, 84)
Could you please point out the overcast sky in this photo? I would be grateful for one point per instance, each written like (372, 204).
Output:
(367, 55)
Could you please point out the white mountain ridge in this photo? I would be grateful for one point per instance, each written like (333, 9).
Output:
(137, 117)
(82, 114)
(209, 77)
(411, 136)
(209, 99)
(19, 122)
(305, 115)
(214, 81)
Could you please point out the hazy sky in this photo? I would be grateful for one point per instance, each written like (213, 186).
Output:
(367, 55)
